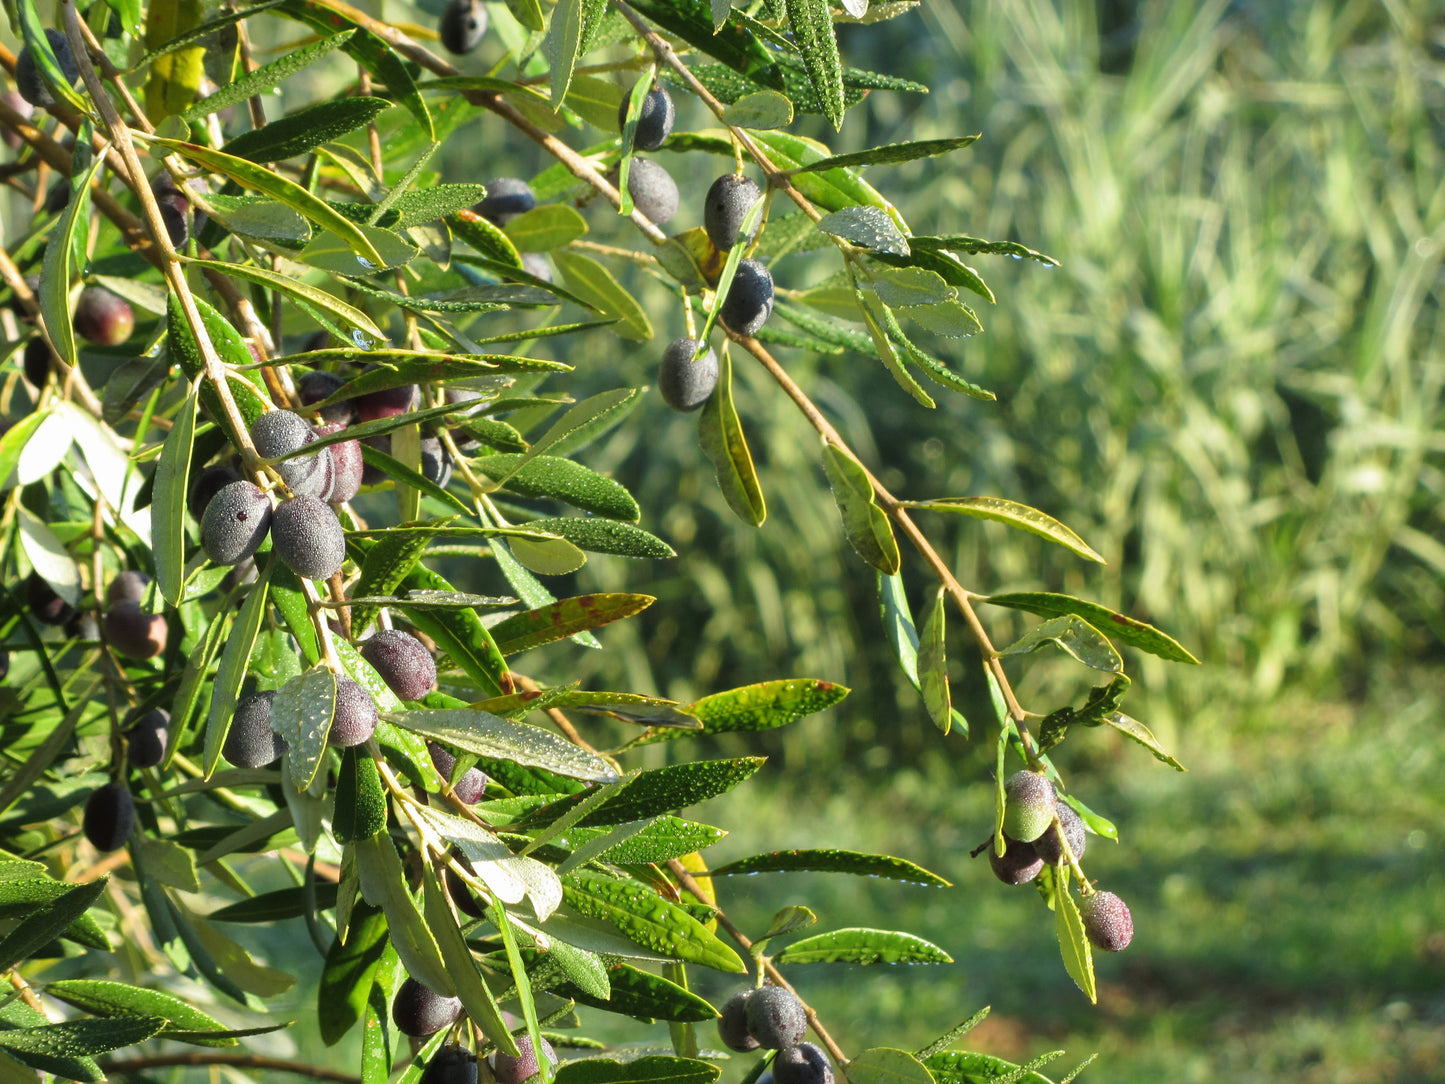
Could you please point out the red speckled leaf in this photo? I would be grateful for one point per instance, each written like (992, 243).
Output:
(563, 618)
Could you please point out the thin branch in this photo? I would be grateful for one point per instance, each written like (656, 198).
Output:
(689, 882)
(122, 1066)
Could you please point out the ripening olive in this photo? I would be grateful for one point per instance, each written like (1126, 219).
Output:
(1107, 921)
(728, 202)
(1019, 864)
(509, 1070)
(28, 80)
(355, 718)
(461, 26)
(750, 298)
(802, 1064)
(109, 817)
(103, 318)
(419, 1012)
(507, 197)
(732, 1024)
(235, 523)
(1050, 845)
(1029, 801)
(145, 738)
(308, 537)
(686, 381)
(403, 663)
(776, 1017)
(470, 787)
(251, 743)
(132, 632)
(654, 123)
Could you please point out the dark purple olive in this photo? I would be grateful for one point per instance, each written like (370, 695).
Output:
(419, 1012)
(109, 817)
(654, 123)
(403, 663)
(103, 318)
(132, 632)
(145, 739)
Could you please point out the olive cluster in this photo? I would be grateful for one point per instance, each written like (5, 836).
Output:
(1036, 827)
(419, 1011)
(772, 1018)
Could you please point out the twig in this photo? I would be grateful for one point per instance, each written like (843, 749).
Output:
(122, 1066)
(686, 879)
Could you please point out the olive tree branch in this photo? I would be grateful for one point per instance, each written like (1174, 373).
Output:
(689, 882)
(123, 1066)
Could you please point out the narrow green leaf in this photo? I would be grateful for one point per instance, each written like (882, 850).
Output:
(766, 705)
(461, 634)
(477, 1001)
(264, 78)
(592, 282)
(347, 977)
(761, 109)
(603, 536)
(58, 268)
(866, 525)
(648, 1069)
(971, 1067)
(227, 688)
(544, 228)
(45, 926)
(81, 1038)
(302, 714)
(561, 619)
(903, 287)
(1076, 637)
(976, 245)
(861, 946)
(1073, 942)
(303, 132)
(735, 46)
(100, 997)
(347, 315)
(870, 308)
(419, 206)
(655, 792)
(952, 1035)
(647, 919)
(250, 175)
(572, 22)
(639, 994)
(1116, 625)
(720, 433)
(889, 153)
(385, 565)
(886, 1065)
(492, 736)
(485, 237)
(1016, 515)
(360, 797)
(933, 667)
(812, 27)
(831, 861)
(936, 371)
(867, 226)
(386, 67)
(1134, 730)
(275, 906)
(168, 506)
(564, 480)
(383, 884)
